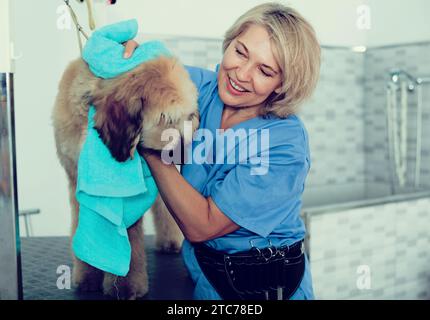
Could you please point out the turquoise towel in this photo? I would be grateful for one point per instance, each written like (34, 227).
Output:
(112, 196)
(104, 52)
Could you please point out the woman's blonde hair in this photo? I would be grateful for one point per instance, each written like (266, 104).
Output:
(297, 49)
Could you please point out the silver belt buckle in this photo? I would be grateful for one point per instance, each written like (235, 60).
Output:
(272, 250)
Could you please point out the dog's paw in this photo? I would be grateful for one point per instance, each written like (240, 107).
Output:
(141, 289)
(124, 288)
(89, 281)
(168, 246)
(169, 243)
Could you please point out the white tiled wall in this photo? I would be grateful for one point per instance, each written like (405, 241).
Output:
(393, 240)
(333, 118)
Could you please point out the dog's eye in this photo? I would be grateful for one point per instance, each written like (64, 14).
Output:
(169, 121)
(192, 116)
(166, 119)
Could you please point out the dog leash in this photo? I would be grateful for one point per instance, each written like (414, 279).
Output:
(79, 29)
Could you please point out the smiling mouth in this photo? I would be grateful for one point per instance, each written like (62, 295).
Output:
(236, 86)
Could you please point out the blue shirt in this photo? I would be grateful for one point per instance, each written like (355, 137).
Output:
(255, 173)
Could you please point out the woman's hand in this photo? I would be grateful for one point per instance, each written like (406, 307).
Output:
(130, 46)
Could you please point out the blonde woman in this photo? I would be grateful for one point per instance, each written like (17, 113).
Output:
(241, 220)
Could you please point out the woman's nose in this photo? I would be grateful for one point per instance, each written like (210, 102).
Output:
(243, 73)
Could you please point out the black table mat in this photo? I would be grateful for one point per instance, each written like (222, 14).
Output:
(41, 257)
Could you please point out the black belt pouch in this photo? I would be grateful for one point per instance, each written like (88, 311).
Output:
(258, 274)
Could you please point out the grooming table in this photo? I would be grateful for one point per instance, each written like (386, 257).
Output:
(41, 256)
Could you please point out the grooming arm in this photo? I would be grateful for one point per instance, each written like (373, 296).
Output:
(198, 217)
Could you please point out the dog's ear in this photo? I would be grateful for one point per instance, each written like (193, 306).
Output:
(118, 119)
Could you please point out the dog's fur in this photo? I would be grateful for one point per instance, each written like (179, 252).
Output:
(132, 109)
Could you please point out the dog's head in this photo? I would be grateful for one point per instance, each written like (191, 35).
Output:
(139, 105)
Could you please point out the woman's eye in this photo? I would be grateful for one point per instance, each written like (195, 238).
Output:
(265, 73)
(239, 52)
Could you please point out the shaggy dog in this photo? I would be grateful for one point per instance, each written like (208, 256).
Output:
(132, 109)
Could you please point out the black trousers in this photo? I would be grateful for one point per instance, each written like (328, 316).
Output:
(258, 274)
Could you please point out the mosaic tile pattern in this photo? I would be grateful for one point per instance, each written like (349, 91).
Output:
(394, 249)
(203, 53)
(333, 118)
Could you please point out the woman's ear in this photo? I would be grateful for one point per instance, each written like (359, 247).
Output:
(278, 89)
(118, 121)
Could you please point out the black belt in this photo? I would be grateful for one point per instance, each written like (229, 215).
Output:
(258, 274)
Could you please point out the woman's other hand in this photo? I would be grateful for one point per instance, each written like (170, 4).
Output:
(130, 46)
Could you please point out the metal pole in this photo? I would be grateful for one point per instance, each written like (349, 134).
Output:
(10, 256)
(419, 136)
(10, 251)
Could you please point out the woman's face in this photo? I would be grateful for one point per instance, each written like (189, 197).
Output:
(249, 71)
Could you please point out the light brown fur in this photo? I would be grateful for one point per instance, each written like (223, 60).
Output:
(132, 109)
